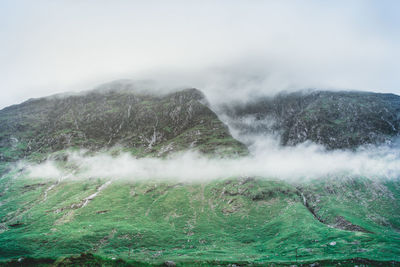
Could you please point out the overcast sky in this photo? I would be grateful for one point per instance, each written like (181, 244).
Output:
(48, 47)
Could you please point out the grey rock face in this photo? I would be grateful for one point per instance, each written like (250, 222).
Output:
(337, 120)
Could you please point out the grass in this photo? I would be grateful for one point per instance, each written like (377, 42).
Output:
(231, 221)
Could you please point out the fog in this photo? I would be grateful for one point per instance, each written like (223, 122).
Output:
(229, 49)
(267, 160)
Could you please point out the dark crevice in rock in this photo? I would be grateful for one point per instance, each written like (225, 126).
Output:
(344, 224)
(340, 221)
(309, 208)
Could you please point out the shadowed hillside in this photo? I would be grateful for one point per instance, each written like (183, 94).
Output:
(337, 120)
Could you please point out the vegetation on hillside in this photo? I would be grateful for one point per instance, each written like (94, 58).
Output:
(243, 220)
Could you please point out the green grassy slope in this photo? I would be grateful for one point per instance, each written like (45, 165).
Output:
(234, 220)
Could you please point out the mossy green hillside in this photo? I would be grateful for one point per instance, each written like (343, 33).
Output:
(146, 124)
(234, 220)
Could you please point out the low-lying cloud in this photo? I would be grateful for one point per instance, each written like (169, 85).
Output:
(268, 160)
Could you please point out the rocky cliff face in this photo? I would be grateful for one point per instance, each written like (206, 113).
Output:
(154, 124)
(337, 120)
(145, 124)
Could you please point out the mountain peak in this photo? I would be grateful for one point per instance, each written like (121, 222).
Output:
(145, 124)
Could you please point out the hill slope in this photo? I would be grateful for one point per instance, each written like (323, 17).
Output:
(145, 124)
(241, 219)
(337, 120)
(236, 220)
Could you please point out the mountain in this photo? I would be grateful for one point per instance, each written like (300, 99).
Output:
(63, 220)
(144, 124)
(336, 120)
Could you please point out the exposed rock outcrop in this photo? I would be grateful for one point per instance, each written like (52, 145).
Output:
(337, 120)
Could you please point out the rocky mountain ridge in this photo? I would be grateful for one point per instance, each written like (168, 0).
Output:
(143, 123)
(334, 119)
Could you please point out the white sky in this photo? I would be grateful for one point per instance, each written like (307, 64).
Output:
(49, 46)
